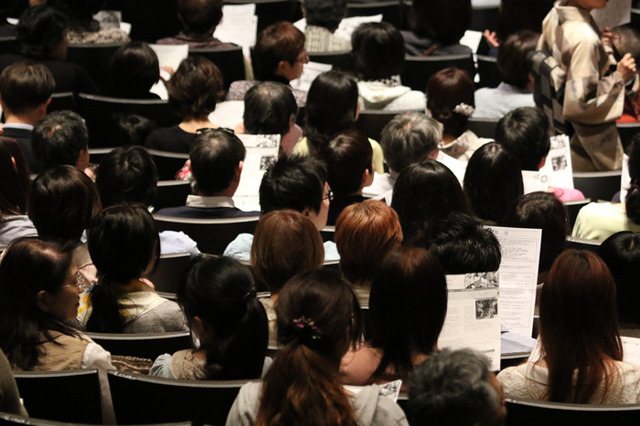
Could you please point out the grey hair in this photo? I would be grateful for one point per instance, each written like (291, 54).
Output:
(409, 138)
(452, 388)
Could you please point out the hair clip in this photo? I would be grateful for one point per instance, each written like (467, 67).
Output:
(463, 109)
(249, 294)
(307, 328)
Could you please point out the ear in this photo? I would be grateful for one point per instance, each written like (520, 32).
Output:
(306, 212)
(83, 159)
(43, 300)
(239, 169)
(197, 325)
(4, 107)
(42, 108)
(358, 110)
(367, 178)
(434, 154)
(542, 163)
(283, 68)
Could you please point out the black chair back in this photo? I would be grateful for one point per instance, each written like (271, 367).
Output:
(94, 58)
(598, 185)
(143, 345)
(62, 101)
(490, 75)
(229, 60)
(342, 61)
(171, 193)
(169, 270)
(573, 207)
(583, 244)
(418, 69)
(483, 127)
(371, 122)
(168, 164)
(484, 18)
(8, 44)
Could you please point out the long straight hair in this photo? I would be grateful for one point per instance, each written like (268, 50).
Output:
(14, 178)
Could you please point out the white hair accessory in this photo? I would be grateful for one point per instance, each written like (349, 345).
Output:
(463, 109)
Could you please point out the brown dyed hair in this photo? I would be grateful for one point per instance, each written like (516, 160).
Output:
(286, 243)
(281, 41)
(579, 326)
(445, 90)
(365, 232)
(195, 88)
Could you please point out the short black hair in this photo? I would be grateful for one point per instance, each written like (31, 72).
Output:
(512, 57)
(524, 132)
(378, 50)
(134, 70)
(200, 16)
(215, 155)
(347, 157)
(58, 139)
(268, 108)
(325, 13)
(40, 30)
(25, 85)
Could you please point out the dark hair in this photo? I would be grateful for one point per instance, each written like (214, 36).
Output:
(347, 157)
(80, 12)
(444, 21)
(332, 103)
(215, 156)
(579, 327)
(58, 138)
(621, 253)
(524, 132)
(447, 89)
(518, 15)
(200, 16)
(632, 200)
(39, 31)
(127, 175)
(62, 203)
(512, 57)
(220, 291)
(14, 178)
(378, 50)
(492, 181)
(29, 266)
(423, 194)
(268, 109)
(123, 244)
(195, 88)
(293, 182)
(463, 245)
(130, 129)
(542, 210)
(323, 13)
(281, 41)
(409, 138)
(25, 85)
(318, 318)
(285, 244)
(407, 305)
(134, 69)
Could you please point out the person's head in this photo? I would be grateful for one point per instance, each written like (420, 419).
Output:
(38, 291)
(424, 193)
(61, 138)
(378, 50)
(450, 99)
(134, 69)
(464, 246)
(269, 109)
(62, 202)
(127, 175)
(279, 53)
(26, 88)
(578, 326)
(627, 40)
(332, 107)
(323, 13)
(365, 232)
(524, 132)
(285, 244)
(194, 89)
(200, 17)
(456, 388)
(407, 305)
(410, 138)
(216, 158)
(492, 181)
(14, 178)
(542, 210)
(444, 21)
(130, 129)
(632, 200)
(218, 297)
(621, 253)
(349, 160)
(512, 58)
(41, 33)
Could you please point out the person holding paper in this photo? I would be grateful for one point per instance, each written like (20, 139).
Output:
(323, 18)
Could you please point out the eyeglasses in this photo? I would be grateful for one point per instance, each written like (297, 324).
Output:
(328, 195)
(304, 59)
(80, 282)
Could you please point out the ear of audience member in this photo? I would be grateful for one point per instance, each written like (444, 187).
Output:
(61, 138)
(456, 388)
(134, 69)
(325, 14)
(524, 132)
(377, 48)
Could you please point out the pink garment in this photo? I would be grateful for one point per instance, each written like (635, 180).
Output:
(567, 194)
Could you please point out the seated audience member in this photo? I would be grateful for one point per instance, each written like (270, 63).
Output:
(25, 93)
(134, 69)
(598, 221)
(318, 319)
(332, 107)
(279, 55)
(199, 19)
(492, 182)
(194, 90)
(456, 388)
(379, 60)
(218, 297)
(294, 183)
(286, 244)
(124, 246)
(463, 245)
(129, 175)
(407, 307)
(437, 27)
(130, 129)
(365, 233)
(41, 35)
(217, 157)
(579, 357)
(14, 187)
(516, 88)
(450, 101)
(621, 253)
(61, 138)
(323, 18)
(39, 294)
(83, 29)
(425, 193)
(349, 160)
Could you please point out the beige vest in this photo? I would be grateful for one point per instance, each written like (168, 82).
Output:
(63, 354)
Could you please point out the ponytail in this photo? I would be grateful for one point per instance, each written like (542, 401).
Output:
(105, 314)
